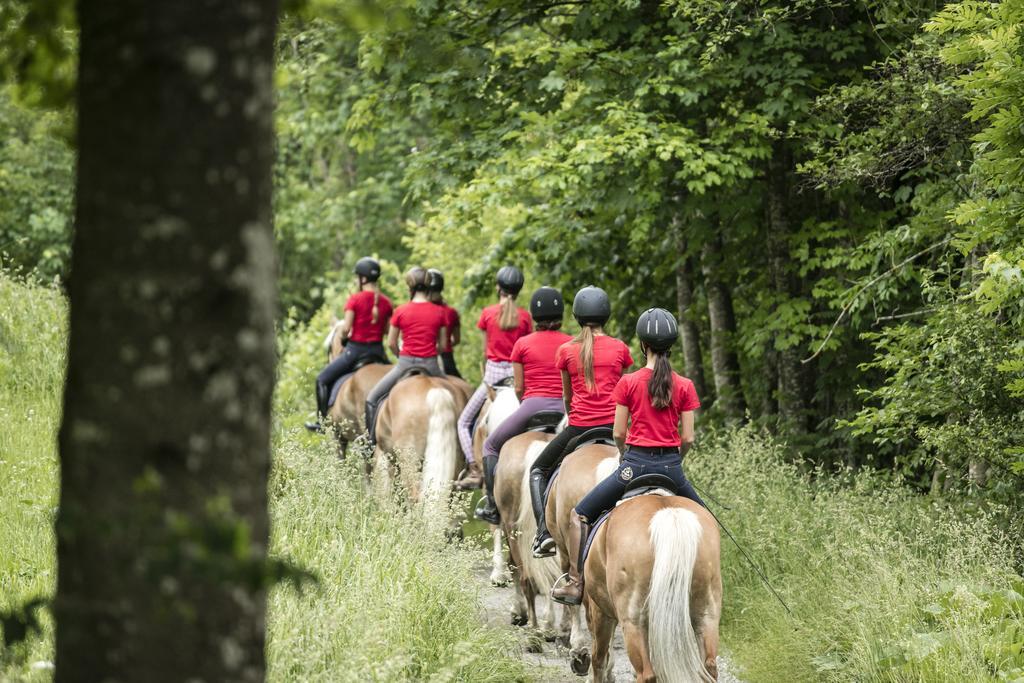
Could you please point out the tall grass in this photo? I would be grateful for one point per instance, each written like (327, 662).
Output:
(884, 585)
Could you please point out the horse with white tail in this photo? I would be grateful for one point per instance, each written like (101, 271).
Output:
(532, 576)
(653, 568)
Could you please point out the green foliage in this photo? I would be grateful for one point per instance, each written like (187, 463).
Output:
(36, 186)
(884, 585)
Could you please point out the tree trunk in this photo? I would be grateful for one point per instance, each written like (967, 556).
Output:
(162, 530)
(791, 394)
(688, 329)
(724, 361)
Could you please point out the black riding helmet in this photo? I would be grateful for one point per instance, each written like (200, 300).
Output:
(591, 306)
(511, 280)
(547, 304)
(368, 268)
(657, 328)
(435, 280)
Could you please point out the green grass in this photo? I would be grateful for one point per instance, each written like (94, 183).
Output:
(884, 585)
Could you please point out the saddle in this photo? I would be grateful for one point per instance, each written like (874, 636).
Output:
(504, 382)
(644, 485)
(595, 435)
(361, 363)
(546, 421)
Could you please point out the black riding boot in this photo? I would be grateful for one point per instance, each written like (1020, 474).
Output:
(543, 544)
(487, 510)
(323, 396)
(572, 592)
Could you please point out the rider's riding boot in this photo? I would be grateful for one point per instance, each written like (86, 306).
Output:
(487, 510)
(472, 478)
(543, 544)
(572, 592)
(323, 396)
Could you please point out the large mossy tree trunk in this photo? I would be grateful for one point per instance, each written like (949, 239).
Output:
(724, 360)
(162, 530)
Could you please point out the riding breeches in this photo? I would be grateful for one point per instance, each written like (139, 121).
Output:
(381, 390)
(342, 365)
(494, 372)
(607, 493)
(448, 362)
(515, 423)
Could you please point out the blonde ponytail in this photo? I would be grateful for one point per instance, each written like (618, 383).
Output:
(586, 341)
(509, 319)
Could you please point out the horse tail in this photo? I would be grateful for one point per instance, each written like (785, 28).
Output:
(676, 655)
(542, 571)
(441, 448)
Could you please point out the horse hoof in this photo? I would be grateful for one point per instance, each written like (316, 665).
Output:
(579, 662)
(519, 620)
(499, 580)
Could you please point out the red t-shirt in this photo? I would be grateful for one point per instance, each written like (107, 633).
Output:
(451, 321)
(594, 407)
(364, 330)
(536, 352)
(650, 426)
(420, 322)
(499, 341)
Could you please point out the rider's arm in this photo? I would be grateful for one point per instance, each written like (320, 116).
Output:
(619, 428)
(346, 325)
(687, 432)
(566, 391)
(442, 336)
(456, 332)
(518, 380)
(393, 340)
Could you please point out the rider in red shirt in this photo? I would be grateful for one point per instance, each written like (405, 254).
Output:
(657, 403)
(538, 384)
(503, 323)
(362, 330)
(452, 321)
(421, 325)
(590, 364)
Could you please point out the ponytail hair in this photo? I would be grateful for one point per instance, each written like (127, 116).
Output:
(437, 298)
(586, 341)
(376, 307)
(659, 386)
(509, 319)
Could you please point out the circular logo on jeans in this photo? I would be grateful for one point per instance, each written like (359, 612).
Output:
(626, 473)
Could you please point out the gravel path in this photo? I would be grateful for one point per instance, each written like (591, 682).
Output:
(552, 663)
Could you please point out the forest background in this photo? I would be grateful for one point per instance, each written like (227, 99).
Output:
(828, 193)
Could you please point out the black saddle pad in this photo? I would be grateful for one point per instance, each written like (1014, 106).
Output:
(602, 435)
(361, 363)
(545, 421)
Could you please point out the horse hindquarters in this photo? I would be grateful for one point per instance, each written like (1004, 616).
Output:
(676, 654)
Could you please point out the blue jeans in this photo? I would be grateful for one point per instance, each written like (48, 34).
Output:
(607, 493)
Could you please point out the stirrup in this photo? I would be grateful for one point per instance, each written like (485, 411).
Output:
(554, 584)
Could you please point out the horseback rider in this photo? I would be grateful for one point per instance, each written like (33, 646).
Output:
(362, 330)
(538, 384)
(503, 323)
(590, 364)
(421, 325)
(658, 404)
(435, 285)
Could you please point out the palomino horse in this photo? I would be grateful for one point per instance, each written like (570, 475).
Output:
(416, 425)
(580, 472)
(348, 411)
(501, 402)
(532, 576)
(654, 568)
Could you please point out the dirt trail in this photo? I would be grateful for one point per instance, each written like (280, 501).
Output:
(552, 664)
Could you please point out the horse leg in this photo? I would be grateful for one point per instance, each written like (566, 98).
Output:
(499, 566)
(579, 653)
(564, 621)
(602, 628)
(709, 632)
(636, 648)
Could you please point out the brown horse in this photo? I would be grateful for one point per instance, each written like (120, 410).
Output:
(581, 471)
(348, 411)
(532, 576)
(654, 568)
(416, 437)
